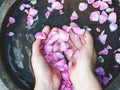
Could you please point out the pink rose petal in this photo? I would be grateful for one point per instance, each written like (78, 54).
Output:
(11, 20)
(74, 16)
(98, 29)
(117, 58)
(112, 17)
(32, 12)
(51, 1)
(113, 27)
(40, 35)
(109, 47)
(102, 37)
(96, 4)
(103, 17)
(57, 5)
(47, 14)
(90, 1)
(103, 5)
(50, 9)
(94, 16)
(30, 22)
(10, 34)
(22, 7)
(83, 6)
(100, 71)
(105, 80)
(103, 52)
(59, 55)
(78, 30)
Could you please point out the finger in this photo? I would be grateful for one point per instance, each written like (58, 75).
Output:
(76, 40)
(46, 30)
(72, 24)
(71, 45)
(65, 27)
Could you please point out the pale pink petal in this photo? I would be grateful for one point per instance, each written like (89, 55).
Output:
(83, 6)
(63, 46)
(103, 17)
(69, 52)
(103, 5)
(22, 7)
(10, 34)
(94, 16)
(53, 39)
(50, 9)
(113, 27)
(108, 1)
(102, 37)
(33, 12)
(62, 1)
(74, 16)
(112, 17)
(103, 52)
(96, 4)
(109, 47)
(57, 5)
(27, 6)
(30, 22)
(66, 77)
(61, 12)
(59, 55)
(117, 58)
(98, 29)
(51, 1)
(63, 36)
(40, 35)
(11, 20)
(48, 48)
(56, 46)
(90, 1)
(47, 14)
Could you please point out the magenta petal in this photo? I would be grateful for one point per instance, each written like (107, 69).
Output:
(113, 27)
(11, 20)
(96, 4)
(83, 6)
(117, 58)
(94, 16)
(59, 55)
(69, 52)
(112, 17)
(74, 16)
(66, 76)
(90, 1)
(50, 9)
(40, 35)
(105, 80)
(63, 46)
(57, 5)
(32, 12)
(103, 52)
(103, 5)
(30, 22)
(103, 17)
(102, 37)
(100, 71)
(109, 47)
(47, 47)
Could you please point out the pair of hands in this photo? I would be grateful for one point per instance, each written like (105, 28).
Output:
(47, 77)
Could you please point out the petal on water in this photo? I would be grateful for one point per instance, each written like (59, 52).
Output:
(117, 58)
(11, 20)
(103, 5)
(90, 1)
(113, 27)
(112, 17)
(103, 17)
(96, 4)
(57, 5)
(94, 16)
(103, 52)
(74, 16)
(105, 80)
(83, 6)
(100, 71)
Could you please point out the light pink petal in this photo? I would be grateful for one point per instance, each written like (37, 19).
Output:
(69, 52)
(74, 16)
(103, 17)
(48, 48)
(90, 1)
(53, 39)
(113, 27)
(10, 34)
(50, 9)
(51, 1)
(56, 46)
(94, 16)
(102, 37)
(11, 20)
(83, 6)
(61, 12)
(109, 47)
(22, 7)
(76, 29)
(63, 46)
(96, 4)
(59, 55)
(33, 12)
(30, 22)
(57, 5)
(47, 14)
(103, 5)
(62, 1)
(112, 17)
(59, 65)
(27, 6)
(103, 52)
(63, 36)
(117, 58)
(108, 1)
(40, 35)
(66, 77)
(98, 29)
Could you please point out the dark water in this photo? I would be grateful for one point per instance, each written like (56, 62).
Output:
(16, 50)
